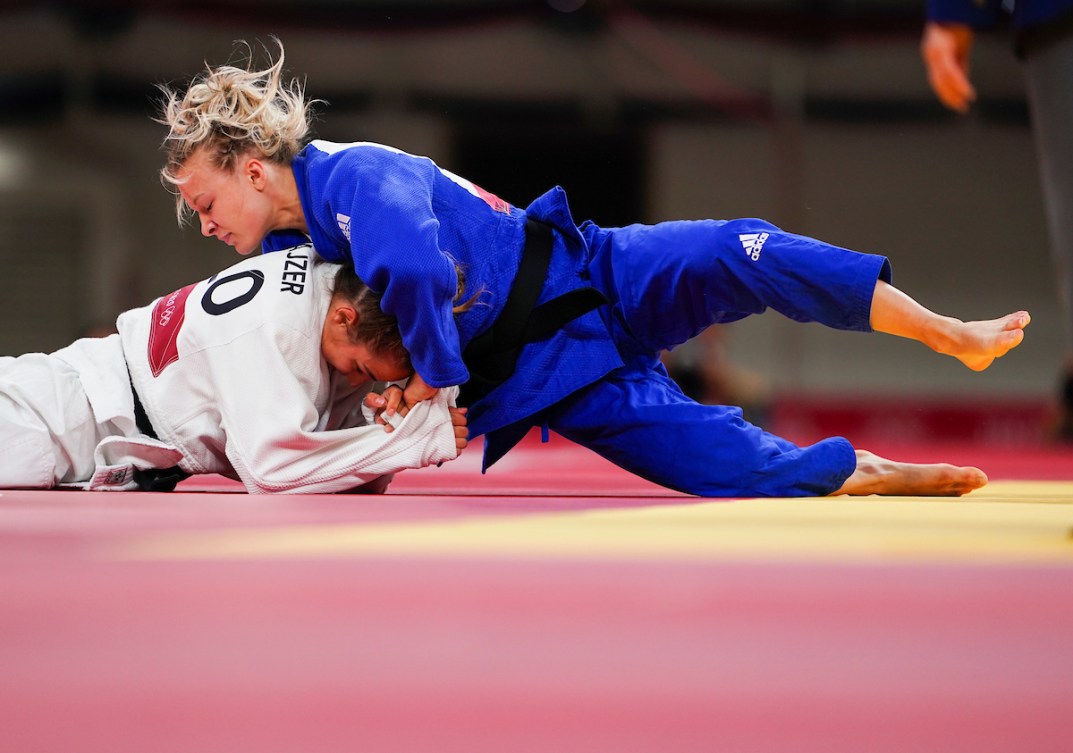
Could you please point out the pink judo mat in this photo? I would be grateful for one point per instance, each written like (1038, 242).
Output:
(555, 604)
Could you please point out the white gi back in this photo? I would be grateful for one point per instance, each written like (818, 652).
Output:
(230, 373)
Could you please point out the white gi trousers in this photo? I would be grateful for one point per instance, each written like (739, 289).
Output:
(49, 430)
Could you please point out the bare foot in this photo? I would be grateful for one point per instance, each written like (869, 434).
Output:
(977, 344)
(876, 475)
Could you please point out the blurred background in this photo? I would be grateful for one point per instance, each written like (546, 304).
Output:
(813, 114)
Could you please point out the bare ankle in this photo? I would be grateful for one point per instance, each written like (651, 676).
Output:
(943, 335)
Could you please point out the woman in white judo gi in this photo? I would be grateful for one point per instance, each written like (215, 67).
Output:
(171, 391)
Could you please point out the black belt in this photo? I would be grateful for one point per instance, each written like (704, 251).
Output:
(152, 479)
(141, 418)
(492, 356)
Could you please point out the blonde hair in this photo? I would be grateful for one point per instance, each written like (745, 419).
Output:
(232, 111)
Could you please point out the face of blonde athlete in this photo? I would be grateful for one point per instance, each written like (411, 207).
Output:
(233, 206)
(354, 360)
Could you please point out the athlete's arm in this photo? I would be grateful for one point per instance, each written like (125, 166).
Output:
(395, 246)
(273, 453)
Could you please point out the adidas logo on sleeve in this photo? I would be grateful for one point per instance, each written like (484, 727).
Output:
(344, 224)
(753, 243)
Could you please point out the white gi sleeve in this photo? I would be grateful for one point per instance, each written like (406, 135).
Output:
(269, 418)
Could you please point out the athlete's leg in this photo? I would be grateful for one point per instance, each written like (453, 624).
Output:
(975, 344)
(642, 422)
(645, 425)
(27, 457)
(876, 475)
(1049, 86)
(48, 430)
(25, 450)
(669, 281)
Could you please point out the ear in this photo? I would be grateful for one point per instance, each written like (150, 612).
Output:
(255, 171)
(344, 315)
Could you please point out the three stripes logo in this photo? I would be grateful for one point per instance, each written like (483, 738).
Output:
(753, 243)
(344, 224)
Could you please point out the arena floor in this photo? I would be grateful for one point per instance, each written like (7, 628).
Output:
(556, 604)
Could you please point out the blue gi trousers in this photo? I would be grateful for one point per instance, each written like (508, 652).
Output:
(666, 283)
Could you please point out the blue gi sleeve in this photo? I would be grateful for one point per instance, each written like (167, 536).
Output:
(394, 243)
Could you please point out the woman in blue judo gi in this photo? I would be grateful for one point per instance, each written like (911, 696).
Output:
(567, 321)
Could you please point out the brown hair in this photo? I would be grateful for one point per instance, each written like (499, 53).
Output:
(374, 328)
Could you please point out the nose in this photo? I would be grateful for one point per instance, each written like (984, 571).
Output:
(208, 227)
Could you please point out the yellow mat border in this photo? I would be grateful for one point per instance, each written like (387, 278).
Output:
(1029, 522)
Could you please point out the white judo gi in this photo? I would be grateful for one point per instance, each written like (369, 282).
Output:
(230, 373)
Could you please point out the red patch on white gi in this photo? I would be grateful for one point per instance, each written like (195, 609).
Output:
(168, 317)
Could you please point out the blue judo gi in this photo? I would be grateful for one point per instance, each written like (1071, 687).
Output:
(408, 225)
(1025, 15)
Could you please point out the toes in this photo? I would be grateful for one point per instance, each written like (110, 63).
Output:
(1014, 337)
(971, 479)
(1017, 321)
